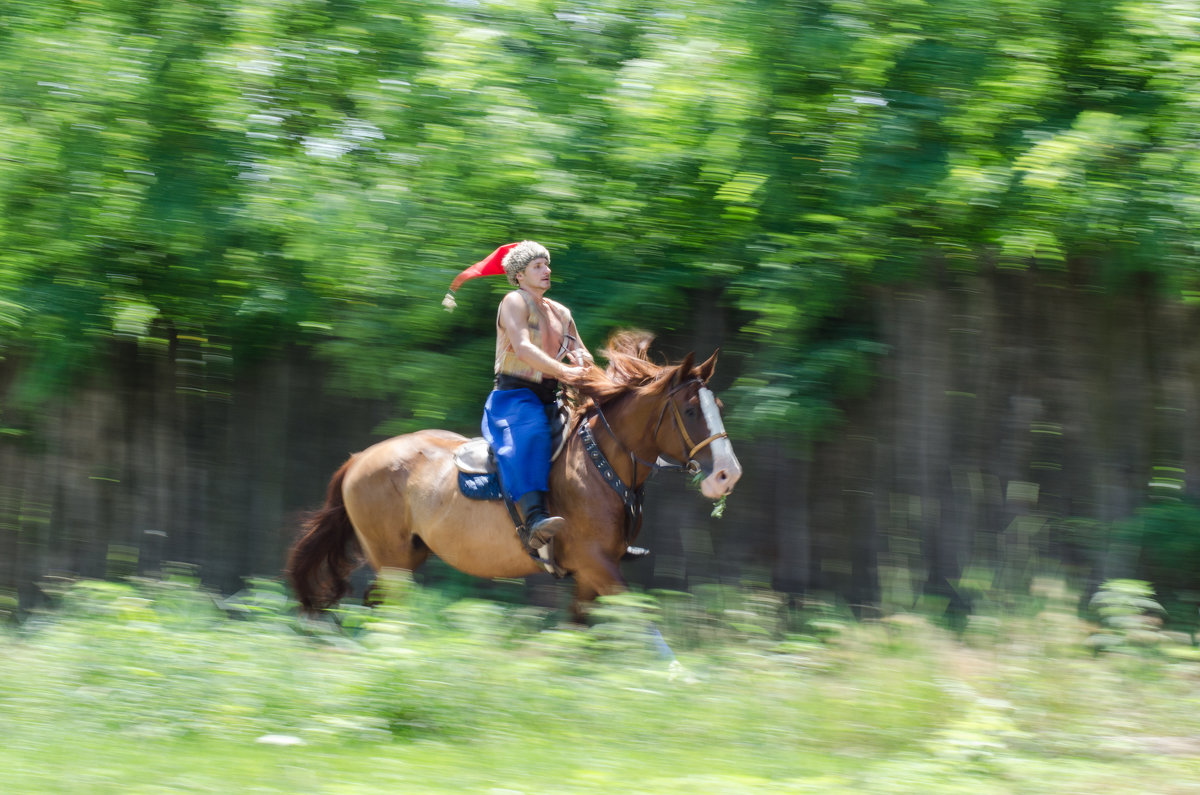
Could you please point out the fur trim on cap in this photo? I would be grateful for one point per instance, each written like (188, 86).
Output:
(519, 256)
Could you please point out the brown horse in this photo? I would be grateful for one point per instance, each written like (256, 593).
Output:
(399, 499)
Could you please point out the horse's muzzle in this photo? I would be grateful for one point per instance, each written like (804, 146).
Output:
(726, 471)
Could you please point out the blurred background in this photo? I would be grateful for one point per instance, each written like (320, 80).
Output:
(948, 252)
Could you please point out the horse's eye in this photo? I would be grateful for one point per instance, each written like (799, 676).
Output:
(690, 412)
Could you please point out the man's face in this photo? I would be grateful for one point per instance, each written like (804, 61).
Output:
(536, 275)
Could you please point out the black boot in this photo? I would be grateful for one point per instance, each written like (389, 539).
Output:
(540, 526)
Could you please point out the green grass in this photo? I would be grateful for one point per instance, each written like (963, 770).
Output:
(151, 687)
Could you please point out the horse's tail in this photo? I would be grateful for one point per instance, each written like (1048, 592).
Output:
(320, 562)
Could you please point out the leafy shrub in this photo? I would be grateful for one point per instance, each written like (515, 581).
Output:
(1130, 617)
(1165, 538)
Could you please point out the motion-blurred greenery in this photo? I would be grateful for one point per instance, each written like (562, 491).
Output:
(230, 180)
(158, 686)
(271, 173)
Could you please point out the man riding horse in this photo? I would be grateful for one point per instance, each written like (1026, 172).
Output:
(401, 500)
(533, 336)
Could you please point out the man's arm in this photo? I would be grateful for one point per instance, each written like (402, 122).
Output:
(514, 319)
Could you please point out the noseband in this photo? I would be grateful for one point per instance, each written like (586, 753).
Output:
(692, 465)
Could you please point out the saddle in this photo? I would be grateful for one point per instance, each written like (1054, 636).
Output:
(477, 474)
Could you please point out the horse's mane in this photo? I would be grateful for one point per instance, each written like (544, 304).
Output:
(629, 369)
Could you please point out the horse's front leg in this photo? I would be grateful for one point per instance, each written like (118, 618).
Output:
(584, 596)
(600, 577)
(604, 579)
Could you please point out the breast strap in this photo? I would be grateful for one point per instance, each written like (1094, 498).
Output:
(631, 497)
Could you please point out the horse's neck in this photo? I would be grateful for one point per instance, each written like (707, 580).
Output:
(631, 420)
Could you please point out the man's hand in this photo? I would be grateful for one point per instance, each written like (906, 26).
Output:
(580, 357)
(572, 374)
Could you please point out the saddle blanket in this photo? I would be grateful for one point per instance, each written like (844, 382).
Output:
(479, 485)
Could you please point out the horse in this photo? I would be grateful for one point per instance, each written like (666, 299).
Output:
(399, 500)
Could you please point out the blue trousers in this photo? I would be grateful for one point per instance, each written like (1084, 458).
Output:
(517, 425)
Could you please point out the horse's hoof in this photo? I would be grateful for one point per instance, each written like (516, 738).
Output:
(635, 553)
(677, 673)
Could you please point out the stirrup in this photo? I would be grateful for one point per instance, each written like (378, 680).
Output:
(544, 557)
(634, 553)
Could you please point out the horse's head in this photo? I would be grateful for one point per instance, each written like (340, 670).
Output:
(681, 414)
(690, 428)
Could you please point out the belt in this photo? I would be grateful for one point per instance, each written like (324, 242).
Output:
(546, 389)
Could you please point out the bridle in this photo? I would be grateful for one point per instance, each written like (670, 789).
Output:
(631, 493)
(691, 465)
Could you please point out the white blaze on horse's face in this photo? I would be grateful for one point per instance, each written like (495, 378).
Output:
(726, 470)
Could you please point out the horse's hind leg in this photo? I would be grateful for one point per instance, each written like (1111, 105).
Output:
(408, 552)
(407, 556)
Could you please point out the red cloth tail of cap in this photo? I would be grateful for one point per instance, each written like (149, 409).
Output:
(492, 265)
(489, 266)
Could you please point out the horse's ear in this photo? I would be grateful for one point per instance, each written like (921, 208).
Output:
(705, 370)
(683, 371)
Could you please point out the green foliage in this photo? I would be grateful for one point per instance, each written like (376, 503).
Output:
(156, 685)
(1164, 540)
(261, 175)
(1130, 616)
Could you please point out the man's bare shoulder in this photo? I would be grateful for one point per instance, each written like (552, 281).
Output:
(512, 307)
(557, 307)
(512, 297)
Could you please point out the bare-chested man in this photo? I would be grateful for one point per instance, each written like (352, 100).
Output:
(533, 336)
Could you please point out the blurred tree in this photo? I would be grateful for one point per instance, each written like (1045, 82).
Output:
(229, 181)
